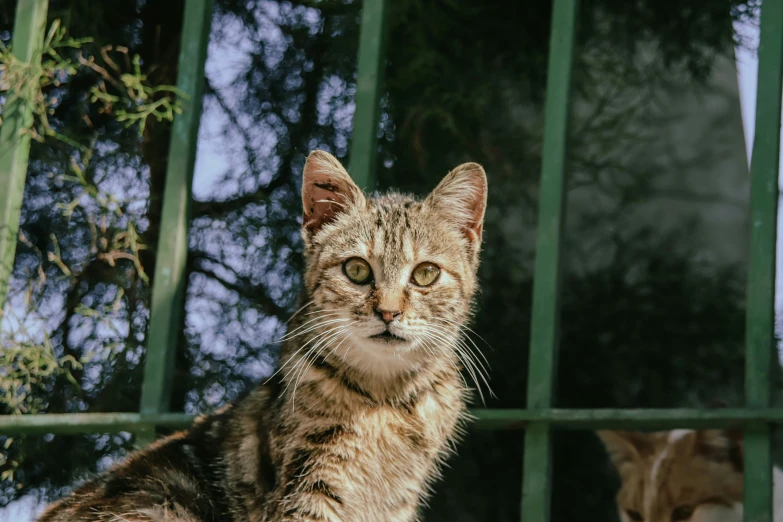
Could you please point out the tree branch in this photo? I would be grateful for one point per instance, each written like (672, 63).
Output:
(242, 285)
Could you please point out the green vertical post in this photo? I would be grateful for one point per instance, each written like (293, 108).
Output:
(27, 44)
(761, 361)
(369, 86)
(168, 288)
(536, 487)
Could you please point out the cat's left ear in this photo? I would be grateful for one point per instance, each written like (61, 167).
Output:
(626, 449)
(461, 199)
(327, 191)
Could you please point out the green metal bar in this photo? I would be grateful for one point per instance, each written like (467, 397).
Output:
(369, 86)
(73, 423)
(537, 467)
(168, 288)
(761, 362)
(629, 419)
(26, 46)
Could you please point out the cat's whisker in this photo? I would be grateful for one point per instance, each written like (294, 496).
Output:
(467, 358)
(315, 326)
(473, 374)
(283, 365)
(320, 310)
(316, 350)
(464, 329)
(291, 333)
(435, 346)
(323, 343)
(482, 372)
(296, 373)
(425, 344)
(439, 342)
(460, 340)
(299, 310)
(316, 338)
(422, 342)
(322, 314)
(464, 350)
(476, 361)
(346, 337)
(334, 350)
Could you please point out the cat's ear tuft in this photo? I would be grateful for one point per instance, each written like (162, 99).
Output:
(625, 448)
(327, 191)
(461, 199)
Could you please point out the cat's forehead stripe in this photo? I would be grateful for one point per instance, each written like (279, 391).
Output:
(407, 247)
(378, 243)
(655, 477)
(392, 243)
(676, 435)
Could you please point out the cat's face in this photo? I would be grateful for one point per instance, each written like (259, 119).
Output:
(391, 277)
(677, 476)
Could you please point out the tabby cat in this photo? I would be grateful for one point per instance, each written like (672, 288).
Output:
(368, 400)
(682, 475)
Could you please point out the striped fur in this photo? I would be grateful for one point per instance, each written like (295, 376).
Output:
(353, 426)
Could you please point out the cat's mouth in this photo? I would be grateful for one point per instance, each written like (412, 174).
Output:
(387, 336)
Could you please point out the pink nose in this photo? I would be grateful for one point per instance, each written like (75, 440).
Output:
(387, 316)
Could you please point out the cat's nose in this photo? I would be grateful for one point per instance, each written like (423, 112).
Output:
(387, 316)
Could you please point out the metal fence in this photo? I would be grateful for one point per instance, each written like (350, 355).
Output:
(540, 416)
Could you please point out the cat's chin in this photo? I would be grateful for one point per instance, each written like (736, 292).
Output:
(390, 345)
(388, 338)
(381, 354)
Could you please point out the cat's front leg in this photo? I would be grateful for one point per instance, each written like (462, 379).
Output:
(307, 507)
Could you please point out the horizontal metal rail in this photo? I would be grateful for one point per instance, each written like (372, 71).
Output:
(73, 423)
(630, 419)
(640, 419)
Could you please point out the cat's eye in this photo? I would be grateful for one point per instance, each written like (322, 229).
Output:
(425, 274)
(682, 513)
(634, 515)
(358, 270)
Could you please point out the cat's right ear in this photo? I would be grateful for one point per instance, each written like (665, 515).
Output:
(625, 448)
(327, 191)
(715, 445)
(461, 199)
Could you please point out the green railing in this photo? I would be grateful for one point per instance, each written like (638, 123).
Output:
(540, 416)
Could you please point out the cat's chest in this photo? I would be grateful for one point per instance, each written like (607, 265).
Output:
(395, 452)
(374, 459)
(419, 427)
